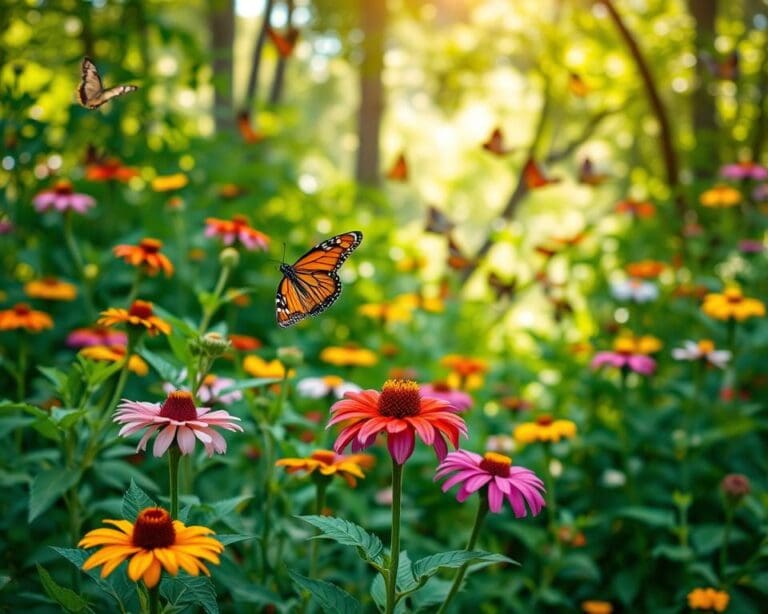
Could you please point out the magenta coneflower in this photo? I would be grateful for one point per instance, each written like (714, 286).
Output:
(442, 391)
(96, 335)
(400, 412)
(63, 198)
(179, 420)
(519, 485)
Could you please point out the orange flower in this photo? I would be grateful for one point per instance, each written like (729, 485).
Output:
(646, 269)
(237, 230)
(116, 353)
(230, 190)
(328, 463)
(110, 169)
(720, 197)
(245, 343)
(140, 316)
(708, 599)
(596, 607)
(147, 255)
(23, 316)
(637, 208)
(466, 372)
(168, 183)
(628, 343)
(50, 288)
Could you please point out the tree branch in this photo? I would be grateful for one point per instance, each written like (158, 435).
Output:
(276, 91)
(253, 75)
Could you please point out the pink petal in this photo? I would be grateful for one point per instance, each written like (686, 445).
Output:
(186, 439)
(164, 440)
(401, 445)
(495, 498)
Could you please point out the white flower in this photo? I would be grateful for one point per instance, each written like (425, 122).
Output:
(703, 350)
(613, 478)
(633, 289)
(319, 387)
(210, 391)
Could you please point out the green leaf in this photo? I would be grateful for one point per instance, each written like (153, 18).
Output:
(119, 474)
(165, 369)
(254, 382)
(349, 534)
(47, 486)
(648, 515)
(405, 579)
(673, 552)
(223, 508)
(8, 424)
(134, 501)
(190, 590)
(428, 566)
(433, 592)
(66, 598)
(330, 597)
(233, 538)
(117, 586)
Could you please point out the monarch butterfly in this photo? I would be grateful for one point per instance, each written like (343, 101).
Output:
(310, 285)
(495, 143)
(438, 222)
(588, 175)
(91, 93)
(457, 260)
(284, 43)
(249, 134)
(534, 176)
(399, 170)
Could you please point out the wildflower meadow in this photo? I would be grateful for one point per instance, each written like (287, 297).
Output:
(383, 306)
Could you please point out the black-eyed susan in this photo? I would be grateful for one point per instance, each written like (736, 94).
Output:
(153, 543)
(139, 316)
(732, 305)
(146, 255)
(544, 429)
(50, 289)
(22, 316)
(327, 463)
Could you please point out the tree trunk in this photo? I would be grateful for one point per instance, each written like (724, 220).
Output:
(705, 156)
(278, 80)
(373, 23)
(258, 48)
(221, 22)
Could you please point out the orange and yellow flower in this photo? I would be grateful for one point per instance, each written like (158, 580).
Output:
(720, 197)
(466, 372)
(168, 183)
(387, 312)
(629, 343)
(596, 607)
(348, 356)
(708, 599)
(732, 304)
(146, 255)
(244, 343)
(328, 463)
(116, 353)
(258, 367)
(22, 316)
(645, 269)
(545, 428)
(140, 315)
(153, 543)
(50, 289)
(110, 169)
(237, 231)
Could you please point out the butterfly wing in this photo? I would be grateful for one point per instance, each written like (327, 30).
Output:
(456, 258)
(495, 143)
(91, 92)
(534, 177)
(311, 284)
(502, 288)
(438, 222)
(284, 43)
(399, 170)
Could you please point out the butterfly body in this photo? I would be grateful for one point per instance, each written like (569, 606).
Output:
(91, 92)
(311, 284)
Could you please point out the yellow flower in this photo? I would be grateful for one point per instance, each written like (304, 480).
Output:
(628, 343)
(329, 463)
(544, 429)
(732, 304)
(708, 599)
(116, 353)
(386, 312)
(51, 289)
(152, 543)
(721, 196)
(596, 607)
(348, 356)
(258, 367)
(166, 183)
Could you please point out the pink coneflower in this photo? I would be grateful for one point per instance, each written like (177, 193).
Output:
(6, 226)
(625, 354)
(400, 412)
(751, 246)
(519, 485)
(179, 420)
(442, 391)
(744, 170)
(63, 198)
(235, 230)
(96, 335)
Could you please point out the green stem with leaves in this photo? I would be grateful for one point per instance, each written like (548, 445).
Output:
(729, 513)
(174, 454)
(394, 547)
(21, 370)
(321, 485)
(215, 300)
(134, 291)
(154, 600)
(482, 512)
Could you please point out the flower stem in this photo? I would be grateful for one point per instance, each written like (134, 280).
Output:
(482, 511)
(174, 454)
(22, 368)
(211, 307)
(394, 547)
(729, 509)
(549, 482)
(134, 291)
(322, 485)
(154, 600)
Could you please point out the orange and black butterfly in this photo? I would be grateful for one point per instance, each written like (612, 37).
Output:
(91, 93)
(456, 258)
(311, 284)
(588, 175)
(438, 222)
(246, 130)
(399, 170)
(577, 86)
(502, 288)
(284, 43)
(534, 177)
(495, 143)
(725, 68)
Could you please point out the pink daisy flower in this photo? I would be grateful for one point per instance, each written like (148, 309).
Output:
(96, 335)
(179, 421)
(442, 391)
(639, 363)
(63, 198)
(520, 486)
(744, 170)
(236, 230)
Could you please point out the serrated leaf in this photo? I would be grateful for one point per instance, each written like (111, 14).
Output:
(187, 590)
(331, 598)
(134, 501)
(117, 586)
(433, 592)
(428, 566)
(348, 534)
(66, 598)
(47, 486)
(405, 579)
(227, 506)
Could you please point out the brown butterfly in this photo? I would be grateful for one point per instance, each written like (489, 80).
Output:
(91, 93)
(456, 258)
(495, 143)
(246, 130)
(438, 222)
(284, 43)
(577, 86)
(534, 177)
(724, 69)
(399, 170)
(588, 175)
(502, 288)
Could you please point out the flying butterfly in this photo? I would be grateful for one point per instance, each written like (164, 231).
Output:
(457, 260)
(438, 222)
(723, 68)
(495, 143)
(284, 43)
(535, 178)
(399, 170)
(91, 93)
(589, 176)
(577, 86)
(502, 288)
(311, 284)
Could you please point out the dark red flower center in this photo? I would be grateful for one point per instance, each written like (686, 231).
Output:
(240, 220)
(441, 386)
(153, 529)
(22, 309)
(324, 456)
(150, 246)
(63, 187)
(141, 309)
(496, 464)
(399, 399)
(544, 420)
(179, 406)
